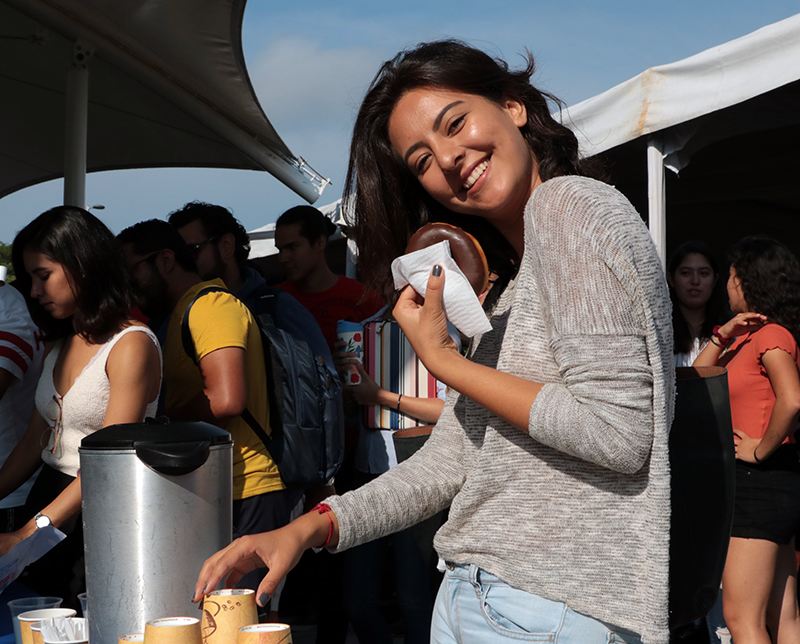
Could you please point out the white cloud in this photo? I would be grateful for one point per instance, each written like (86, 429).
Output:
(300, 83)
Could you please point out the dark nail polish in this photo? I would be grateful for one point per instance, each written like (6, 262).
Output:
(263, 599)
(437, 270)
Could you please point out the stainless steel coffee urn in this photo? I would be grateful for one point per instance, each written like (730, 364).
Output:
(156, 504)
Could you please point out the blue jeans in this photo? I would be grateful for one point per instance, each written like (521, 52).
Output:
(474, 606)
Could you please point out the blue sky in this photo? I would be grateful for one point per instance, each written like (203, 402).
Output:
(311, 61)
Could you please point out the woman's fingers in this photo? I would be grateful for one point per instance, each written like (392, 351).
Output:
(270, 583)
(408, 299)
(231, 562)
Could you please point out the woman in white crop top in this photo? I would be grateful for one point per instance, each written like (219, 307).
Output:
(101, 366)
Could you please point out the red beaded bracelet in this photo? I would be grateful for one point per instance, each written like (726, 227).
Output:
(324, 508)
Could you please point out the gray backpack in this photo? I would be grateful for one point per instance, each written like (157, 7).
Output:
(305, 402)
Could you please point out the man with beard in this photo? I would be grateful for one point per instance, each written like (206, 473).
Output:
(221, 247)
(229, 375)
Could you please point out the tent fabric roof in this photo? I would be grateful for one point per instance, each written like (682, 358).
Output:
(262, 240)
(168, 86)
(668, 95)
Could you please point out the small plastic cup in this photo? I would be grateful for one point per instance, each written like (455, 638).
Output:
(23, 605)
(82, 598)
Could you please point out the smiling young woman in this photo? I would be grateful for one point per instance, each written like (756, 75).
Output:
(551, 451)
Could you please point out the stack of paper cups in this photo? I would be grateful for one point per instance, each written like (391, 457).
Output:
(26, 620)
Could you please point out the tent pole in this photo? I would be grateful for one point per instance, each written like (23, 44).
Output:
(75, 131)
(656, 196)
(76, 125)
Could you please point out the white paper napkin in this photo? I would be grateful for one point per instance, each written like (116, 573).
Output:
(461, 305)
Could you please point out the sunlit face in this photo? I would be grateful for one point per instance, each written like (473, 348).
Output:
(735, 294)
(297, 256)
(693, 281)
(51, 285)
(467, 152)
(206, 250)
(149, 287)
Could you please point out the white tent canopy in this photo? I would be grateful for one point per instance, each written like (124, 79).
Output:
(139, 84)
(739, 96)
(262, 240)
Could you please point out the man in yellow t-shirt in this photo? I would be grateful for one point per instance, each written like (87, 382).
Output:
(229, 377)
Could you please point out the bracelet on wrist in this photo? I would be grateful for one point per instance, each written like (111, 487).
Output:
(324, 508)
(399, 398)
(723, 342)
(755, 455)
(716, 343)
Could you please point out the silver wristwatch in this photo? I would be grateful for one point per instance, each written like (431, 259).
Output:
(42, 521)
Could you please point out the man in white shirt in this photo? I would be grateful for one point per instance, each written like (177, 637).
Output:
(21, 347)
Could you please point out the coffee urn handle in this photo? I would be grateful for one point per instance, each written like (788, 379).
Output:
(173, 459)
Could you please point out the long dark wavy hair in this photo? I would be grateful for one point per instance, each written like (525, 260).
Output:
(92, 260)
(386, 203)
(716, 307)
(770, 278)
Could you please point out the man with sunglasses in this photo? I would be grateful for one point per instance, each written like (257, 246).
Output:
(221, 247)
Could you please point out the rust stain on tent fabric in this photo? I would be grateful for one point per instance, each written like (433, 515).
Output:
(649, 80)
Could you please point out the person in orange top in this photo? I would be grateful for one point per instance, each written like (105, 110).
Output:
(759, 347)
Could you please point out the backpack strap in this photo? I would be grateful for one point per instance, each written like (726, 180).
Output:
(188, 346)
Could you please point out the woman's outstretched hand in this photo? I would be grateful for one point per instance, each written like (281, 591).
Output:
(424, 322)
(278, 550)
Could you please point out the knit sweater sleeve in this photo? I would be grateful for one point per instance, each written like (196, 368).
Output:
(408, 493)
(583, 242)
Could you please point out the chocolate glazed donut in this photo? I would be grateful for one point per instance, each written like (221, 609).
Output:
(466, 251)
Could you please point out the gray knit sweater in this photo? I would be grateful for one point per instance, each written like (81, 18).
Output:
(578, 508)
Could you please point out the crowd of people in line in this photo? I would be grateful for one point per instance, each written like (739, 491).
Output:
(550, 447)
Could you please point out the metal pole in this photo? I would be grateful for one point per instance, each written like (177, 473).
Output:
(77, 111)
(76, 126)
(656, 197)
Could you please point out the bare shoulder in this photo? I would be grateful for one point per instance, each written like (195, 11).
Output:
(134, 347)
